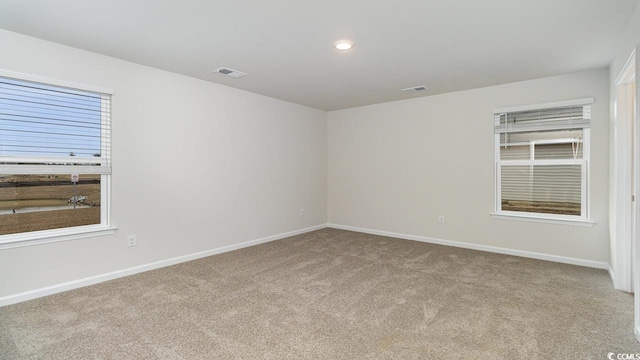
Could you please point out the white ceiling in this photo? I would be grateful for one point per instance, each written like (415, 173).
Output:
(286, 45)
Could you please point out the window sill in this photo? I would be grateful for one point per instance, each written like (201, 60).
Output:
(544, 219)
(51, 236)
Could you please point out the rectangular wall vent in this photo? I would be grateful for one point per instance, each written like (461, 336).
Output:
(414, 89)
(230, 72)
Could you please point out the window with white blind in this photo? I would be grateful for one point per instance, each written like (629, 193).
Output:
(542, 160)
(55, 157)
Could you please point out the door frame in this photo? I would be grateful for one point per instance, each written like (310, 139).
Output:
(623, 222)
(627, 138)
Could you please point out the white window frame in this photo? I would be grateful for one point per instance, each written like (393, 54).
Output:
(71, 233)
(584, 218)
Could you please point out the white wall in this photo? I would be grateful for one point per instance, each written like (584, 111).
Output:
(620, 161)
(196, 166)
(630, 40)
(396, 166)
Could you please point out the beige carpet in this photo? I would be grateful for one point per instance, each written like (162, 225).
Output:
(333, 294)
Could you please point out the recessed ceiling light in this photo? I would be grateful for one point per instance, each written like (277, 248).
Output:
(343, 45)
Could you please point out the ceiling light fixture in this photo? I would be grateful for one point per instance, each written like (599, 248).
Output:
(343, 45)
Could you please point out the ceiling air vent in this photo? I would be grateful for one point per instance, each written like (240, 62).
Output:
(414, 89)
(230, 72)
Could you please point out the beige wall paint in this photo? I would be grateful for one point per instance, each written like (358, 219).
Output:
(196, 166)
(397, 166)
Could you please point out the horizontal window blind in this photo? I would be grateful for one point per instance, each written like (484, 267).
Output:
(551, 118)
(542, 188)
(58, 127)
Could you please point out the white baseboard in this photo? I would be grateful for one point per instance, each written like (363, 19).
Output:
(494, 249)
(74, 284)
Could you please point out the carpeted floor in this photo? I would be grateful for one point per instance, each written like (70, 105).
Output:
(333, 294)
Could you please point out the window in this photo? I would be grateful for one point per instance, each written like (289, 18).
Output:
(542, 160)
(55, 157)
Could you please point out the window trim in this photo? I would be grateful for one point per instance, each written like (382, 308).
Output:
(583, 101)
(105, 227)
(585, 218)
(538, 218)
(31, 238)
(56, 82)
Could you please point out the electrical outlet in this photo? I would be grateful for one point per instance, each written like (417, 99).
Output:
(131, 240)
(302, 212)
(440, 219)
